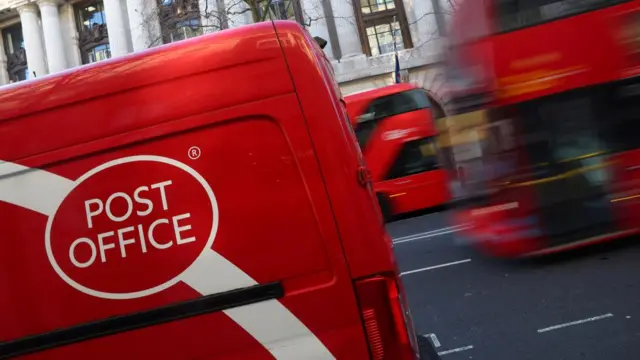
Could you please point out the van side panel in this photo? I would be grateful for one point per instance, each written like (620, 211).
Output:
(223, 50)
(354, 205)
(223, 194)
(122, 112)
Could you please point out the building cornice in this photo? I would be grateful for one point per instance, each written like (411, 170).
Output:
(10, 21)
(50, 2)
(361, 66)
(13, 4)
(27, 8)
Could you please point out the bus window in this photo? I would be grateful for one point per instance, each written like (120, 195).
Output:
(416, 156)
(625, 118)
(518, 14)
(399, 103)
(386, 106)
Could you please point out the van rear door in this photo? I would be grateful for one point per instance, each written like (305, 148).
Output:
(367, 246)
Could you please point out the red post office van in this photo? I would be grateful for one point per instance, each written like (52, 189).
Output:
(201, 200)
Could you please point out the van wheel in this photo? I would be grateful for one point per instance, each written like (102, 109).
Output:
(385, 207)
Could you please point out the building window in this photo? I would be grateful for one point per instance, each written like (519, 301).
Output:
(92, 29)
(280, 10)
(179, 19)
(16, 55)
(379, 23)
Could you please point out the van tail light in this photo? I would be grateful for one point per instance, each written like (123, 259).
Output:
(387, 325)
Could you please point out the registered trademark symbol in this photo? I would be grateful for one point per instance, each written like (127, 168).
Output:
(194, 152)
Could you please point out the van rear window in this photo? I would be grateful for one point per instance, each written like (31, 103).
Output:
(519, 14)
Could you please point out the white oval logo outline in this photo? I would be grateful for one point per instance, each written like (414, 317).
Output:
(156, 289)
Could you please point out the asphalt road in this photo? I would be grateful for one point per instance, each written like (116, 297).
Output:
(582, 305)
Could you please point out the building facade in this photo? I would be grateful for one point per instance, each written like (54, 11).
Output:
(40, 37)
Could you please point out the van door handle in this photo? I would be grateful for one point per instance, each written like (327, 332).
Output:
(633, 168)
(364, 175)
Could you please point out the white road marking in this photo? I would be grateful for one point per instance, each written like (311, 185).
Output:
(595, 318)
(428, 235)
(435, 267)
(434, 339)
(465, 348)
(447, 228)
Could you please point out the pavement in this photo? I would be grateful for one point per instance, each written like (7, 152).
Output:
(581, 305)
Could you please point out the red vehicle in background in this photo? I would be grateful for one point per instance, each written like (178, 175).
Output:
(397, 136)
(558, 84)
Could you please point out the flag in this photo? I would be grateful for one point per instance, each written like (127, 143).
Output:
(397, 71)
(398, 78)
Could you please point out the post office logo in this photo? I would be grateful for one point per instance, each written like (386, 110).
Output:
(130, 227)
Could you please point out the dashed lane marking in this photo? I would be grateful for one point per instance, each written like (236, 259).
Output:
(429, 234)
(435, 267)
(578, 322)
(460, 349)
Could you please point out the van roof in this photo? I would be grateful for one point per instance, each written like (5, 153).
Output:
(229, 47)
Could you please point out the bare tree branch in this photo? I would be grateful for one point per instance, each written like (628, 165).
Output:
(216, 16)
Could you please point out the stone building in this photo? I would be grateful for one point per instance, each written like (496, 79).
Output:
(40, 37)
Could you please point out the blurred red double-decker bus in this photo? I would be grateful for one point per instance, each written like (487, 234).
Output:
(557, 83)
(397, 135)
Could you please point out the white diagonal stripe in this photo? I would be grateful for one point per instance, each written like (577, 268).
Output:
(269, 322)
(33, 189)
(279, 331)
(212, 273)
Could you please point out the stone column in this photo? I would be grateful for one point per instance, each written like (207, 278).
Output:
(350, 45)
(117, 27)
(70, 35)
(144, 23)
(52, 35)
(33, 44)
(420, 15)
(440, 18)
(332, 29)
(313, 13)
(4, 75)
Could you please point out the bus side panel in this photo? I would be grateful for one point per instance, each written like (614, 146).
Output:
(388, 137)
(406, 193)
(416, 192)
(274, 225)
